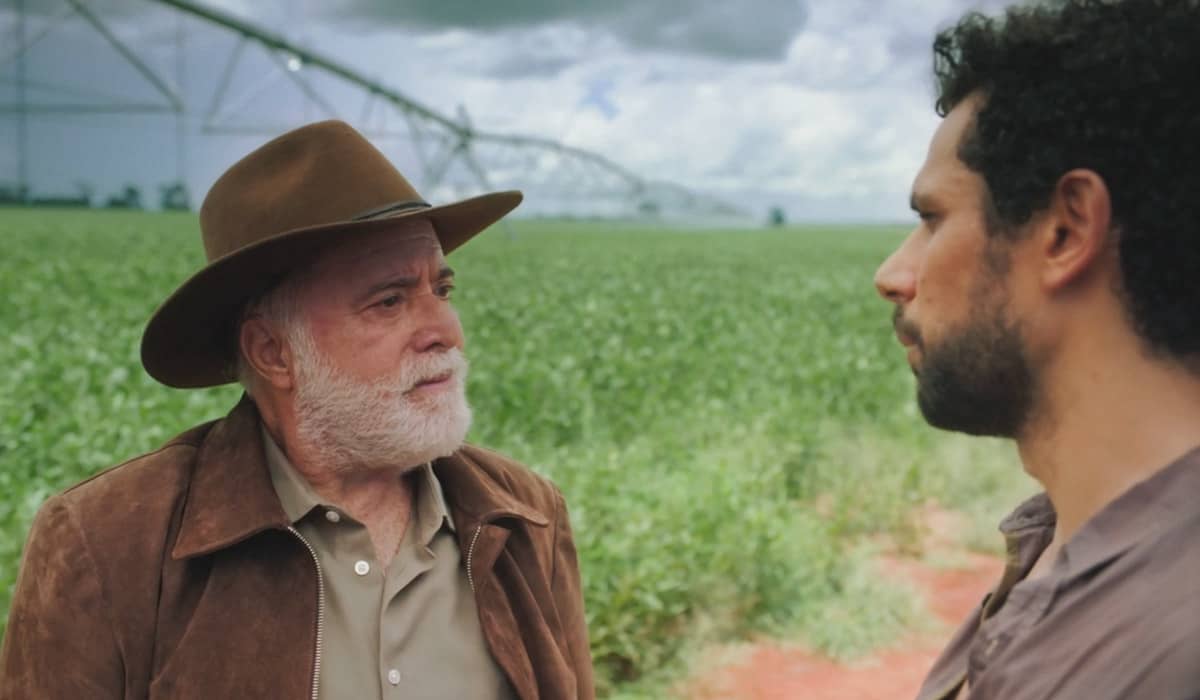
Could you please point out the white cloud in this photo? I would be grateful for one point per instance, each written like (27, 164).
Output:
(828, 120)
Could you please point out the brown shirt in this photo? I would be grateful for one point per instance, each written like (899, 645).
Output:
(410, 631)
(1116, 616)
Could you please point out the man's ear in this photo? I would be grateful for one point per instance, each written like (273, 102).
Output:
(1075, 236)
(264, 351)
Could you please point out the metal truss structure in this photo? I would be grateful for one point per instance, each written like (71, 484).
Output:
(449, 155)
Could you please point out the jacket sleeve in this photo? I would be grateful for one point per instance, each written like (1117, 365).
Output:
(568, 599)
(59, 641)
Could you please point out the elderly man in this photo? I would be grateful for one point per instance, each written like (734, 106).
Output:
(331, 537)
(1051, 294)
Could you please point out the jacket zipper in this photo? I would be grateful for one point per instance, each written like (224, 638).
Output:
(471, 553)
(316, 675)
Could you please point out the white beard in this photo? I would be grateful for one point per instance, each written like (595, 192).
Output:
(351, 425)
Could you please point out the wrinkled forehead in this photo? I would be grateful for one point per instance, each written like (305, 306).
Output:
(410, 244)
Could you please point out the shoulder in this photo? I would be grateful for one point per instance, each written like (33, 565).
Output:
(123, 516)
(1144, 618)
(514, 477)
(117, 523)
(154, 479)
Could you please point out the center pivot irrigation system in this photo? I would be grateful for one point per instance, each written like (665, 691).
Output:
(446, 155)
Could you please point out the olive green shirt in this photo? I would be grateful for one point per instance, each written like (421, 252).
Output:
(408, 631)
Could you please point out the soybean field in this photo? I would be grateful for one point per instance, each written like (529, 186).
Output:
(727, 412)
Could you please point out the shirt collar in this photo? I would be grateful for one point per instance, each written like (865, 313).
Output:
(1036, 513)
(295, 494)
(298, 498)
(230, 496)
(1142, 512)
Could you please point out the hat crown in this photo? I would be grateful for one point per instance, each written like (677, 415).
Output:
(318, 174)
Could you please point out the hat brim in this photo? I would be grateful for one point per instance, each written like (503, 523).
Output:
(188, 341)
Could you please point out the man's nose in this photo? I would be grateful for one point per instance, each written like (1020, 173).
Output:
(896, 278)
(438, 327)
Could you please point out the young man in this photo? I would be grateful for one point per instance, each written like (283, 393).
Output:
(331, 537)
(1051, 294)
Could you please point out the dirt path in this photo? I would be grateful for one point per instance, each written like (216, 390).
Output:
(773, 671)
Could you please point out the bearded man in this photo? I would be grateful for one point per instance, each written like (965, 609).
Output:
(1051, 294)
(332, 537)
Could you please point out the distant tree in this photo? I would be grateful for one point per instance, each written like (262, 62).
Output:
(777, 217)
(174, 197)
(86, 191)
(13, 194)
(82, 199)
(129, 198)
(648, 208)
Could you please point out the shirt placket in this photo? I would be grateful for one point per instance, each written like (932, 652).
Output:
(1025, 605)
(357, 579)
(406, 567)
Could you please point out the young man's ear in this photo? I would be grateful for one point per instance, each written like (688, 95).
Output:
(1076, 235)
(264, 353)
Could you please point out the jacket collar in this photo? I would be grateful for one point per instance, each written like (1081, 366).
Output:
(231, 497)
(477, 497)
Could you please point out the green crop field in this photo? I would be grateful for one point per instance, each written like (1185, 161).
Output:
(726, 411)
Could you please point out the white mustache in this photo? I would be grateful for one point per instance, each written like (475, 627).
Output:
(428, 367)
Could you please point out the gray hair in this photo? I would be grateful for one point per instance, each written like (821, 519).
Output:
(279, 306)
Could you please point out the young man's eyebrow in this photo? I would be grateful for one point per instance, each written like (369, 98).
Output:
(445, 273)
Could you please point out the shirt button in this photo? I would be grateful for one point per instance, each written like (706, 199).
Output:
(361, 567)
(394, 677)
(332, 516)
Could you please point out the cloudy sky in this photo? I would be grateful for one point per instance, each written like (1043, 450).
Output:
(823, 107)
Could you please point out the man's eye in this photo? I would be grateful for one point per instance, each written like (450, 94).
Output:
(445, 290)
(390, 301)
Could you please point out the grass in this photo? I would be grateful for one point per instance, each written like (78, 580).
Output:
(726, 412)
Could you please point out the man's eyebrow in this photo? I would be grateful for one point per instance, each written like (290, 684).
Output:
(404, 282)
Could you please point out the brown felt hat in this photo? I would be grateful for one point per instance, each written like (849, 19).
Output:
(268, 213)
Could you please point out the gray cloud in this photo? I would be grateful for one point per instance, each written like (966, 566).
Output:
(45, 8)
(732, 30)
(910, 45)
(759, 30)
(528, 65)
(756, 153)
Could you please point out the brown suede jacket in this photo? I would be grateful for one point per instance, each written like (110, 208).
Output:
(175, 575)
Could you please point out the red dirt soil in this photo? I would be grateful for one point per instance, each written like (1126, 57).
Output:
(774, 671)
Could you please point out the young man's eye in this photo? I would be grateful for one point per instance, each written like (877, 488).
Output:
(444, 290)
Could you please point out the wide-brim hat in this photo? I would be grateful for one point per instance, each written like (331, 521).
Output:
(269, 213)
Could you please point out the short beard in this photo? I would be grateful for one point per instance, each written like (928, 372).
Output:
(351, 425)
(979, 380)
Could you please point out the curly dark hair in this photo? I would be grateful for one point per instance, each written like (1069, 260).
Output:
(1112, 86)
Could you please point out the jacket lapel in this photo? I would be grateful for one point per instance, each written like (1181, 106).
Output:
(487, 514)
(231, 496)
(496, 618)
